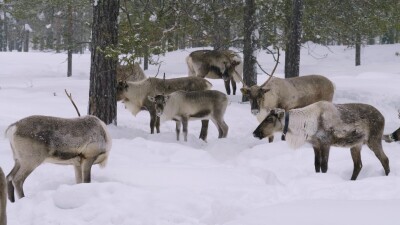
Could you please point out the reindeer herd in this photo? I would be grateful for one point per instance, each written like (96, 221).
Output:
(300, 108)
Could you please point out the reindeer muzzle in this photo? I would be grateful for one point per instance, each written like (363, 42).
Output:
(255, 111)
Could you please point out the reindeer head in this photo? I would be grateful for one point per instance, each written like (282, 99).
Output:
(122, 86)
(271, 124)
(159, 101)
(255, 94)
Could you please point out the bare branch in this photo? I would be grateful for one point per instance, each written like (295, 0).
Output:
(72, 101)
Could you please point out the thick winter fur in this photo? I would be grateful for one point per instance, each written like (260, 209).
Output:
(290, 93)
(183, 106)
(216, 64)
(134, 94)
(3, 199)
(394, 136)
(324, 124)
(130, 72)
(80, 142)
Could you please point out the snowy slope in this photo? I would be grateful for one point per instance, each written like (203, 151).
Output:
(153, 179)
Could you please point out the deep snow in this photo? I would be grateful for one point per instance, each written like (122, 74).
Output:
(154, 179)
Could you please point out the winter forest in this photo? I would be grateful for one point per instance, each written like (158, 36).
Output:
(218, 112)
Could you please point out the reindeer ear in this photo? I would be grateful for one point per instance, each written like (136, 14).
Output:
(265, 90)
(166, 97)
(151, 98)
(245, 91)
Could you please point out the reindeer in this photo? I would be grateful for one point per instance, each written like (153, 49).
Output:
(394, 136)
(216, 64)
(80, 142)
(130, 72)
(323, 124)
(3, 198)
(290, 93)
(134, 94)
(183, 106)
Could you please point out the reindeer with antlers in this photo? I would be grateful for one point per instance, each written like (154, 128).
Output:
(287, 93)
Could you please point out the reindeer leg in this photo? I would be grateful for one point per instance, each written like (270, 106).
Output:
(324, 158)
(376, 147)
(86, 165)
(227, 87)
(271, 139)
(78, 173)
(185, 127)
(178, 129)
(233, 85)
(10, 178)
(153, 117)
(158, 124)
(21, 174)
(317, 160)
(204, 129)
(355, 154)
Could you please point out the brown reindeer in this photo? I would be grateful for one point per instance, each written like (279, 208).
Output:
(80, 142)
(216, 64)
(134, 94)
(183, 106)
(290, 93)
(3, 199)
(323, 124)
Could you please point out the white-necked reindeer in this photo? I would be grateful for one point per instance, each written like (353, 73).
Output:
(289, 93)
(323, 124)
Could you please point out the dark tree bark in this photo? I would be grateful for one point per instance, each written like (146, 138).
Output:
(5, 43)
(250, 45)
(358, 49)
(26, 40)
(102, 91)
(69, 39)
(293, 44)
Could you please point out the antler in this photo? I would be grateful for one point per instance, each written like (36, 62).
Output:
(273, 71)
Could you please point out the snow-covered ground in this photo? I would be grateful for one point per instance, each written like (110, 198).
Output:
(156, 180)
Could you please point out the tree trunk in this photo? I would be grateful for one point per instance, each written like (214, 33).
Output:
(102, 91)
(5, 43)
(146, 58)
(69, 39)
(293, 44)
(26, 40)
(358, 50)
(250, 44)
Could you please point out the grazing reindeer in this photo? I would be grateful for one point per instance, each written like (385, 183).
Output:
(134, 94)
(3, 198)
(216, 64)
(394, 136)
(290, 93)
(324, 124)
(130, 73)
(183, 106)
(81, 142)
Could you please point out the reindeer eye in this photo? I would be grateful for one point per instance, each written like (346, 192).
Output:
(270, 119)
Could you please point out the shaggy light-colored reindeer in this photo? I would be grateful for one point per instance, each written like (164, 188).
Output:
(3, 199)
(80, 142)
(130, 72)
(216, 64)
(324, 124)
(289, 93)
(183, 106)
(134, 94)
